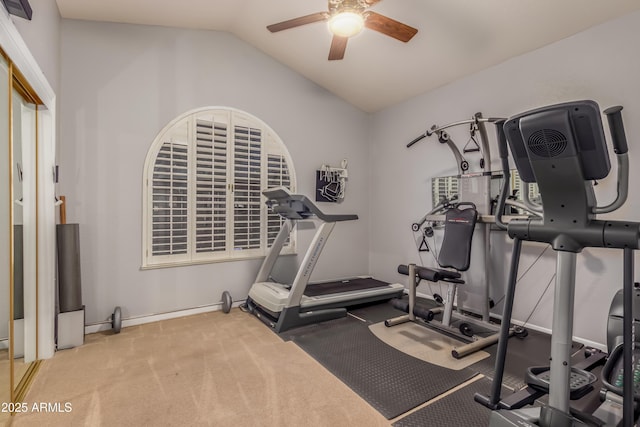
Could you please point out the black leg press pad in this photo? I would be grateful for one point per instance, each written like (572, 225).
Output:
(389, 380)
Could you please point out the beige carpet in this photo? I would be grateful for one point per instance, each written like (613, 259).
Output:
(206, 370)
(423, 343)
(19, 369)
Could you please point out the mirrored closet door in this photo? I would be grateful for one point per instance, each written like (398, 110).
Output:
(23, 127)
(18, 232)
(5, 239)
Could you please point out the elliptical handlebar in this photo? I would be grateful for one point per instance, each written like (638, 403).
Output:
(616, 127)
(620, 147)
(503, 150)
(484, 139)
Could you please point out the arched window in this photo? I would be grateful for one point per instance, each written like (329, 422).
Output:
(202, 190)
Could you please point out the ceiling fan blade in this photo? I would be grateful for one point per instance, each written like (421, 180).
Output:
(390, 27)
(296, 22)
(338, 46)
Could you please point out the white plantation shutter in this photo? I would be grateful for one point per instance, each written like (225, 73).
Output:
(247, 187)
(169, 187)
(204, 178)
(277, 175)
(211, 185)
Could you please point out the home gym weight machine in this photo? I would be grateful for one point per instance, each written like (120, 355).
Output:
(285, 306)
(563, 149)
(474, 189)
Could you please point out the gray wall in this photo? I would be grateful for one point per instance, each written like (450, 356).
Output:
(120, 85)
(601, 64)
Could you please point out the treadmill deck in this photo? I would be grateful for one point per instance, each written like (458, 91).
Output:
(274, 296)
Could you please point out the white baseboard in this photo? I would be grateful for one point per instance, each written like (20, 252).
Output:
(4, 344)
(140, 320)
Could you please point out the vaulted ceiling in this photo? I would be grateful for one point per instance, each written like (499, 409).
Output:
(455, 37)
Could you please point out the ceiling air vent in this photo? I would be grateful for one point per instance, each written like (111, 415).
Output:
(547, 143)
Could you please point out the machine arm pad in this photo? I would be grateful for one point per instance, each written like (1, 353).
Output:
(430, 274)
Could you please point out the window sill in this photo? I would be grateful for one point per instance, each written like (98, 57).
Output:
(145, 266)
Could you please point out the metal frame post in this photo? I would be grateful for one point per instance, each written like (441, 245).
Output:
(562, 327)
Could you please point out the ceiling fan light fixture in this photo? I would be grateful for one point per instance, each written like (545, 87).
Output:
(346, 24)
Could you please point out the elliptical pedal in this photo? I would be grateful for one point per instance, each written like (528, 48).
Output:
(580, 381)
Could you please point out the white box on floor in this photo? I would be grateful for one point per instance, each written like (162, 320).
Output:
(70, 329)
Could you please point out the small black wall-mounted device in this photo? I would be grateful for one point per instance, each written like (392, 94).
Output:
(19, 8)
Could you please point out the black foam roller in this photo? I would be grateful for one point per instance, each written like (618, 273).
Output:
(403, 305)
(69, 278)
(400, 304)
(423, 273)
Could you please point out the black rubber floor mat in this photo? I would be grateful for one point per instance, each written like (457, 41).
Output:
(455, 409)
(389, 380)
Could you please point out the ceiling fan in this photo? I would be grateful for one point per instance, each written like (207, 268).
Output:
(346, 18)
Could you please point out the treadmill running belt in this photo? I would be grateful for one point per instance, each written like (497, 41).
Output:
(357, 284)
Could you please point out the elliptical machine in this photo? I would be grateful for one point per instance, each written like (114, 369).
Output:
(563, 149)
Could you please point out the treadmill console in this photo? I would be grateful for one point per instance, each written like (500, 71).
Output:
(297, 206)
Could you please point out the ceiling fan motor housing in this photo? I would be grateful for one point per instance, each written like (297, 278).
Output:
(339, 6)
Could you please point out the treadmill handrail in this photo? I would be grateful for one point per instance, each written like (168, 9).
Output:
(287, 203)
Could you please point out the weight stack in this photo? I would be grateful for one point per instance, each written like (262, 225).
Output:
(71, 315)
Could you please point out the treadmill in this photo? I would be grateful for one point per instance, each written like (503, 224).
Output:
(286, 306)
